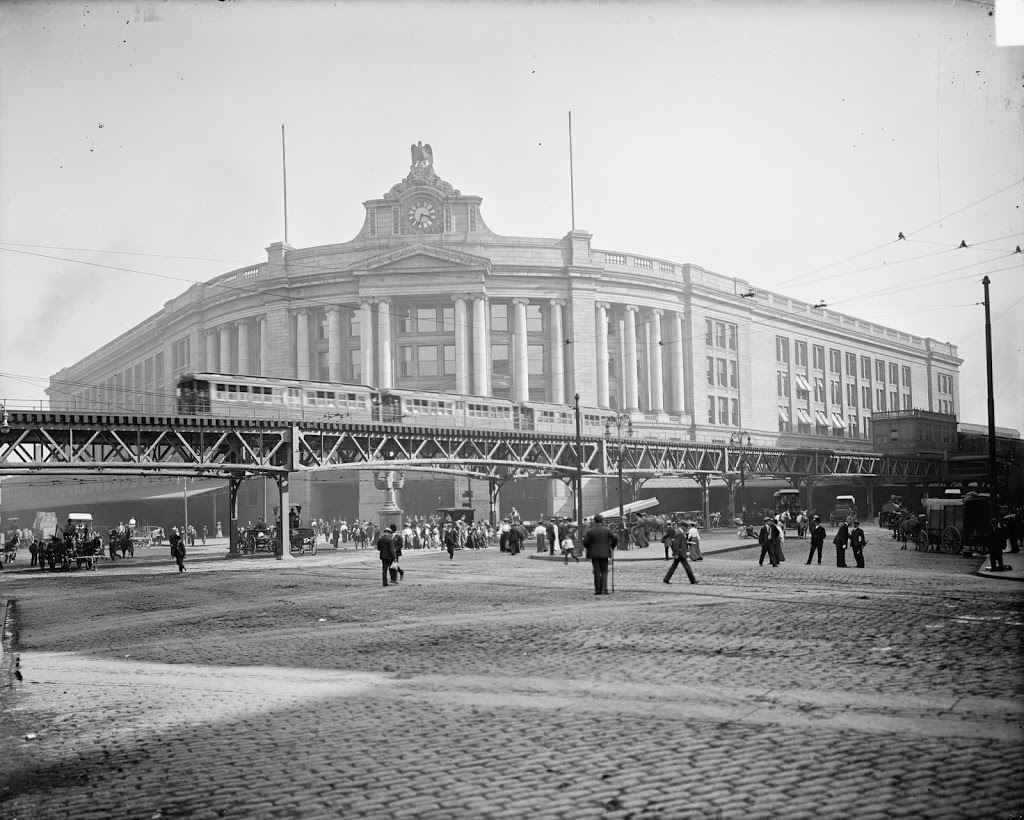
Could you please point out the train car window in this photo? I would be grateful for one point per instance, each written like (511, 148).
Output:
(243, 389)
(221, 389)
(232, 392)
(310, 397)
(278, 395)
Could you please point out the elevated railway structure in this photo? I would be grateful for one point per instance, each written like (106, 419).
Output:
(236, 449)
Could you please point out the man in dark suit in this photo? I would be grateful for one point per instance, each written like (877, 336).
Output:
(387, 552)
(817, 539)
(552, 534)
(768, 538)
(680, 548)
(857, 542)
(599, 542)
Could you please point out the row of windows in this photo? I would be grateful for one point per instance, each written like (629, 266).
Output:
(723, 372)
(720, 334)
(720, 410)
(945, 384)
(835, 362)
(835, 393)
(259, 394)
(823, 425)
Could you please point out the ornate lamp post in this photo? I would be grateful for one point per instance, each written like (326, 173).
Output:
(620, 419)
(389, 482)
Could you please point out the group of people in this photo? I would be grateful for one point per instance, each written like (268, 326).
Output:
(773, 535)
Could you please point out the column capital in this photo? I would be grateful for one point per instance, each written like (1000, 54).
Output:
(631, 308)
(520, 300)
(604, 305)
(382, 300)
(460, 297)
(657, 312)
(559, 302)
(300, 312)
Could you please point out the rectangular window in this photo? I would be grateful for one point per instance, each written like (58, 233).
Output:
(906, 377)
(802, 388)
(880, 399)
(782, 383)
(323, 327)
(354, 324)
(723, 411)
(535, 360)
(734, 404)
(405, 365)
(732, 336)
(836, 392)
(534, 319)
(879, 370)
(159, 366)
(709, 333)
(851, 395)
(894, 373)
(426, 322)
(711, 409)
(426, 360)
(894, 400)
(499, 319)
(722, 377)
(500, 363)
(819, 357)
(865, 396)
(720, 334)
(322, 366)
(448, 320)
(140, 397)
(405, 321)
(819, 390)
(851, 364)
(865, 368)
(734, 379)
(449, 360)
(785, 425)
(835, 361)
(800, 354)
(782, 349)
(711, 370)
(181, 357)
(355, 365)
(906, 401)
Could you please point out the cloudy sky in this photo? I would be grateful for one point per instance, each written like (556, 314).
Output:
(784, 143)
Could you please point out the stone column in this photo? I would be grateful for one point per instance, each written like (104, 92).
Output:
(629, 359)
(334, 344)
(602, 354)
(557, 343)
(264, 347)
(225, 349)
(366, 342)
(657, 372)
(243, 348)
(212, 351)
(462, 380)
(302, 345)
(521, 362)
(481, 349)
(384, 342)
(675, 359)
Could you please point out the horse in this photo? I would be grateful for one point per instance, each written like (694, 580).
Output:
(801, 524)
(910, 526)
(655, 526)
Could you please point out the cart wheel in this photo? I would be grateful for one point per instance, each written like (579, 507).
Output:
(921, 542)
(951, 540)
(312, 550)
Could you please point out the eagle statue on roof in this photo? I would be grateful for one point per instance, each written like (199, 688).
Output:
(422, 155)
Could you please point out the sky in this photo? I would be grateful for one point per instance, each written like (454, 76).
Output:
(784, 143)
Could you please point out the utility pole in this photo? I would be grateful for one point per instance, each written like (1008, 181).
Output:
(579, 471)
(993, 478)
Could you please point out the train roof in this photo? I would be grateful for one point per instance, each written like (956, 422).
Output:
(306, 383)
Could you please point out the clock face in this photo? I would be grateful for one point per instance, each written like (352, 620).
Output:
(422, 214)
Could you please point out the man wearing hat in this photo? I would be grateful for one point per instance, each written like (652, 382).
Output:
(817, 538)
(768, 538)
(857, 542)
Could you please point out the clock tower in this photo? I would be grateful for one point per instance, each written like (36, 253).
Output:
(423, 206)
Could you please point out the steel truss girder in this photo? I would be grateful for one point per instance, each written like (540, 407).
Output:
(89, 443)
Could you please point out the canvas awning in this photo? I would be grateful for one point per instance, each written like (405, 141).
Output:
(784, 414)
(632, 506)
(801, 382)
(820, 419)
(837, 422)
(181, 493)
(803, 415)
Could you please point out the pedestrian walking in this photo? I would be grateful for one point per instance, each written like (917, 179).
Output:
(219, 531)
(177, 548)
(599, 541)
(398, 540)
(386, 551)
(680, 549)
(206, 532)
(841, 540)
(33, 551)
(693, 542)
(451, 538)
(996, 543)
(817, 538)
(552, 534)
(768, 538)
(857, 542)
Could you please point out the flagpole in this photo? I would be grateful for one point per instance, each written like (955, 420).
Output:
(284, 172)
(572, 187)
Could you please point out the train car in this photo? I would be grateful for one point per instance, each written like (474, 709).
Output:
(223, 394)
(426, 408)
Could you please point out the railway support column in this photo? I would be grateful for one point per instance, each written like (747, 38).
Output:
(234, 485)
(704, 482)
(730, 483)
(285, 508)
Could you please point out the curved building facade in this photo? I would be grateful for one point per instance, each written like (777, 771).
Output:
(428, 297)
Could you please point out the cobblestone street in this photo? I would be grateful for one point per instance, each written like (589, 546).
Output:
(494, 686)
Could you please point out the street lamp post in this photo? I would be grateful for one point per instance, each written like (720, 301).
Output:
(620, 419)
(736, 439)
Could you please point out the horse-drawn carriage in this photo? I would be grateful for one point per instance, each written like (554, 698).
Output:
(958, 524)
(891, 513)
(636, 527)
(844, 510)
(79, 543)
(790, 512)
(261, 539)
(121, 540)
(12, 539)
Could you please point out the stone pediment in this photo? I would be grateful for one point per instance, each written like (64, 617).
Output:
(422, 258)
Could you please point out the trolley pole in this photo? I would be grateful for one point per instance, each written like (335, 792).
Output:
(993, 478)
(579, 471)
